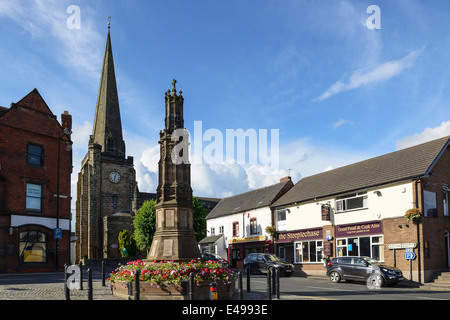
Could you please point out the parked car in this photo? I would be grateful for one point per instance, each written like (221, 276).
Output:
(261, 262)
(363, 269)
(215, 257)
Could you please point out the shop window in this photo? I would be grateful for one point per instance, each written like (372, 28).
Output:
(308, 251)
(34, 197)
(430, 204)
(235, 229)
(351, 202)
(35, 155)
(370, 246)
(253, 226)
(32, 246)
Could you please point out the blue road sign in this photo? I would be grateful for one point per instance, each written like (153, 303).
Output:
(410, 255)
(58, 233)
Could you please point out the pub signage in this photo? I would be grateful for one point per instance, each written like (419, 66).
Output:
(300, 235)
(326, 212)
(367, 228)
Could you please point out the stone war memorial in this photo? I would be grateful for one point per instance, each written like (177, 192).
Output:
(174, 257)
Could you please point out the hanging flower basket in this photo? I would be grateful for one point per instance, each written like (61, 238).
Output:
(271, 231)
(413, 215)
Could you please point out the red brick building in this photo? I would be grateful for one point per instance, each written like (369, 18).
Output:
(35, 170)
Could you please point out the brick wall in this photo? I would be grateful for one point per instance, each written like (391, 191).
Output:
(30, 121)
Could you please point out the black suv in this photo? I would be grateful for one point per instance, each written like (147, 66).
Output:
(363, 269)
(263, 261)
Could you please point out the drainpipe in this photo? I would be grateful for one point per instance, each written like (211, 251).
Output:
(419, 269)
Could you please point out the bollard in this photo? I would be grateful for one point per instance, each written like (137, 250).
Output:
(66, 288)
(269, 284)
(248, 280)
(277, 282)
(137, 279)
(90, 288)
(191, 286)
(81, 275)
(103, 273)
(213, 291)
(240, 289)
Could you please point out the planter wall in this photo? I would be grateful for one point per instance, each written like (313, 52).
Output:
(125, 290)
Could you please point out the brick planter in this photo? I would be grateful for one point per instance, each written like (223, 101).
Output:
(125, 290)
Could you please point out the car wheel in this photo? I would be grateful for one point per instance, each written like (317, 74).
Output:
(376, 280)
(335, 276)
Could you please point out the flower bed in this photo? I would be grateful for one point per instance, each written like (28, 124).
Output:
(168, 278)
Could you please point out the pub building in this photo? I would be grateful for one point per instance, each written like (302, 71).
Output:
(360, 210)
(237, 224)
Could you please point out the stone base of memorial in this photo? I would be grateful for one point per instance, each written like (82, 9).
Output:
(126, 291)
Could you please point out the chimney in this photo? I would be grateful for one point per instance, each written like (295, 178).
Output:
(285, 179)
(66, 120)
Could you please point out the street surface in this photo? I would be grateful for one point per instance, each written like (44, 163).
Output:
(50, 286)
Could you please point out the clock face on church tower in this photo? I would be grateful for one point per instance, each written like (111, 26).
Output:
(114, 177)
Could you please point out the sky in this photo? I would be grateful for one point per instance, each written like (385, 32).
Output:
(338, 81)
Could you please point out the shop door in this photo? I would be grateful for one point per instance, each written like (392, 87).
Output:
(364, 246)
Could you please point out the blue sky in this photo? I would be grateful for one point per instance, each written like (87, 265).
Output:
(337, 91)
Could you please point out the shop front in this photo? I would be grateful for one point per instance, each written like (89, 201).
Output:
(239, 248)
(364, 239)
(303, 248)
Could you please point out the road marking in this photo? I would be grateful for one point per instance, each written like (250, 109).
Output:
(428, 298)
(329, 289)
(15, 279)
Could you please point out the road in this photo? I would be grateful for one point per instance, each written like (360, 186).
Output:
(50, 287)
(322, 288)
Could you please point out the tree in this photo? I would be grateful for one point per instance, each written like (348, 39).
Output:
(126, 240)
(199, 219)
(145, 223)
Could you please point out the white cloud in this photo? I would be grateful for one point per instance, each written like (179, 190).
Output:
(426, 135)
(341, 122)
(364, 77)
(76, 49)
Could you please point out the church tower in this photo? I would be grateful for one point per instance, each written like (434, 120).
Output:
(107, 179)
(174, 238)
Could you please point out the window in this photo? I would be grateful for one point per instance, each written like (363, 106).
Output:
(445, 197)
(430, 204)
(32, 246)
(281, 220)
(34, 196)
(110, 145)
(350, 202)
(308, 251)
(221, 230)
(370, 246)
(235, 229)
(253, 226)
(213, 231)
(35, 155)
(114, 201)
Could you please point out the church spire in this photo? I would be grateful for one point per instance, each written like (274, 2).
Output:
(107, 130)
